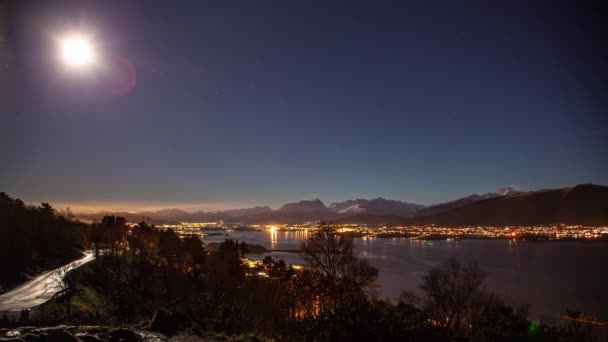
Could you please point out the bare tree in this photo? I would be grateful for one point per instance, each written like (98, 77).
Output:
(66, 282)
(333, 256)
(454, 294)
(67, 213)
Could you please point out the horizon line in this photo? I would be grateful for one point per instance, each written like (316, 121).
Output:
(137, 206)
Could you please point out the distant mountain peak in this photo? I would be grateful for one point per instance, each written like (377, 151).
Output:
(171, 212)
(353, 209)
(315, 209)
(464, 201)
(304, 206)
(583, 204)
(508, 190)
(376, 206)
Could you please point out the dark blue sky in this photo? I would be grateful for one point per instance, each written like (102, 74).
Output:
(260, 102)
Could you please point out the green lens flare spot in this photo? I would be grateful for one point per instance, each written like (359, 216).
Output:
(533, 328)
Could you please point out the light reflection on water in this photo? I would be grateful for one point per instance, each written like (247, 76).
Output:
(551, 277)
(273, 237)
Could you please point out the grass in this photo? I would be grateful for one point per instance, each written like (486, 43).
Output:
(86, 304)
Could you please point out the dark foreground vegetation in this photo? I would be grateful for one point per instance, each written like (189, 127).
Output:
(35, 239)
(153, 280)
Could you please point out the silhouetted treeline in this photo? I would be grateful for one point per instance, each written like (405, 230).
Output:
(142, 273)
(149, 274)
(33, 238)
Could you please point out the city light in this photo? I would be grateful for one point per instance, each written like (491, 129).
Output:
(420, 232)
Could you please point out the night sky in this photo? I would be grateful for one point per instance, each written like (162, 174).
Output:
(218, 104)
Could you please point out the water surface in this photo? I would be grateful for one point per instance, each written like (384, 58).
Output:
(550, 277)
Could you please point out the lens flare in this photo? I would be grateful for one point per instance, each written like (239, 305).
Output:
(533, 328)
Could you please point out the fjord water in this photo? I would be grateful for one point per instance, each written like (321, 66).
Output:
(550, 277)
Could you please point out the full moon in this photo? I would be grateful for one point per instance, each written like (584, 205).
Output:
(77, 51)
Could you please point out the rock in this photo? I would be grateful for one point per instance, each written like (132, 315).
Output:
(31, 337)
(94, 329)
(50, 330)
(25, 329)
(61, 335)
(90, 338)
(13, 333)
(58, 333)
(69, 328)
(190, 338)
(149, 337)
(168, 322)
(123, 334)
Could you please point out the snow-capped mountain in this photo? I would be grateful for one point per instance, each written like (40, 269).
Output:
(586, 204)
(509, 190)
(461, 202)
(378, 206)
(342, 207)
(308, 210)
(353, 209)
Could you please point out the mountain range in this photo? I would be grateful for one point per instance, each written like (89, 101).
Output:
(584, 204)
(461, 202)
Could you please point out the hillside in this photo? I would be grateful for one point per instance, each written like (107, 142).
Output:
(581, 204)
(35, 239)
(461, 202)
